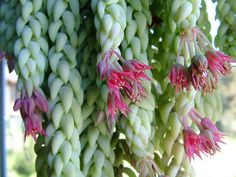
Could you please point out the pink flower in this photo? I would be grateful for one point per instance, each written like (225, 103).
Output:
(209, 133)
(103, 65)
(198, 81)
(218, 63)
(118, 79)
(30, 108)
(204, 71)
(137, 92)
(116, 82)
(25, 104)
(106, 64)
(211, 84)
(198, 72)
(33, 126)
(123, 79)
(193, 143)
(116, 104)
(178, 77)
(126, 81)
(212, 133)
(136, 68)
(210, 144)
(40, 101)
(148, 167)
(206, 123)
(200, 64)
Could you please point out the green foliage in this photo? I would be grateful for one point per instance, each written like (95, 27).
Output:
(21, 162)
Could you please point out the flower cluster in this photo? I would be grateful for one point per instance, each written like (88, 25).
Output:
(206, 66)
(206, 142)
(30, 109)
(123, 78)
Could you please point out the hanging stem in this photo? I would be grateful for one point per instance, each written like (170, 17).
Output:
(201, 42)
(179, 50)
(203, 36)
(186, 49)
(190, 48)
(195, 117)
(198, 51)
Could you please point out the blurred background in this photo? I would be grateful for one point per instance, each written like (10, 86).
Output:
(20, 155)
